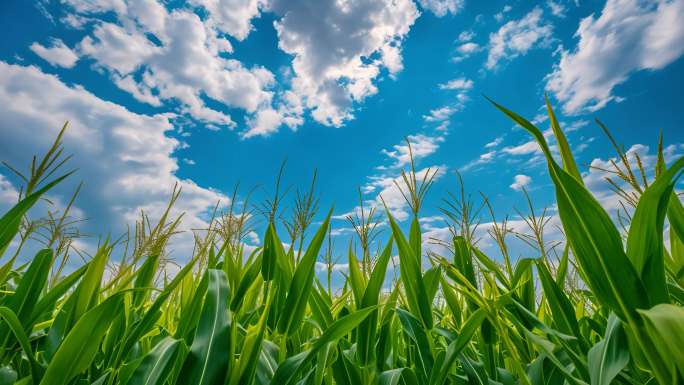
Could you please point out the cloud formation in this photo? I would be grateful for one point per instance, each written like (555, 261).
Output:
(516, 37)
(57, 53)
(628, 36)
(340, 50)
(126, 159)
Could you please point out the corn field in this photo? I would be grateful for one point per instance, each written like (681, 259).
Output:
(607, 310)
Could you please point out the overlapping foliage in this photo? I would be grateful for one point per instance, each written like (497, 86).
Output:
(608, 311)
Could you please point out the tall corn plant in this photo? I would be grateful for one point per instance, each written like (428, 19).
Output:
(608, 310)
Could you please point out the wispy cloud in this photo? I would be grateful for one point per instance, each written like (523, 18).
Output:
(627, 36)
(516, 37)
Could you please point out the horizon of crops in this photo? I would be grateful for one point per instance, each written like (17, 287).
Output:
(608, 311)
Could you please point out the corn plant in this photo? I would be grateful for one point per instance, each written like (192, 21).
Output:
(604, 306)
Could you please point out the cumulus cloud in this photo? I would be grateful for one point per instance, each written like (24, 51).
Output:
(442, 7)
(531, 147)
(557, 8)
(628, 36)
(520, 181)
(233, 17)
(421, 147)
(340, 49)
(264, 123)
(159, 55)
(126, 159)
(181, 56)
(499, 16)
(516, 37)
(57, 53)
(457, 84)
(8, 194)
(442, 115)
(465, 46)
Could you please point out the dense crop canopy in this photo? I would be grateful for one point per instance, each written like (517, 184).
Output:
(607, 310)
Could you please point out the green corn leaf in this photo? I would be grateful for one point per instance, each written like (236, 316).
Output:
(300, 287)
(270, 254)
(8, 376)
(152, 314)
(416, 333)
(561, 308)
(80, 301)
(645, 239)
(248, 279)
(593, 238)
(451, 299)
(25, 297)
(79, 347)
(207, 360)
(144, 279)
(88, 289)
(400, 376)
(569, 163)
(356, 278)
(455, 348)
(48, 300)
(191, 313)
(157, 365)
(431, 279)
(415, 238)
(9, 223)
(367, 330)
(320, 308)
(609, 356)
(665, 327)
(289, 369)
(14, 325)
(410, 271)
(243, 373)
(490, 265)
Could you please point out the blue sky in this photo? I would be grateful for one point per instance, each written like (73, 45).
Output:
(211, 93)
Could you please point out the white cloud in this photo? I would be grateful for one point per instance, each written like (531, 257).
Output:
(520, 181)
(57, 53)
(440, 114)
(159, 55)
(468, 48)
(441, 7)
(484, 158)
(331, 42)
(466, 36)
(500, 15)
(233, 17)
(8, 194)
(180, 57)
(134, 168)
(457, 84)
(264, 123)
(421, 147)
(494, 143)
(531, 147)
(557, 8)
(628, 36)
(516, 37)
(336, 267)
(465, 50)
